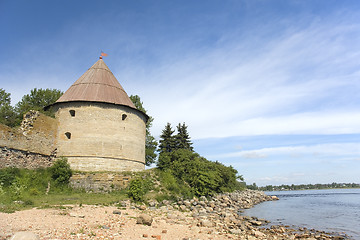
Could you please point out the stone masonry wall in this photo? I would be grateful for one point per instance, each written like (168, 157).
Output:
(36, 134)
(100, 181)
(23, 159)
(101, 136)
(32, 145)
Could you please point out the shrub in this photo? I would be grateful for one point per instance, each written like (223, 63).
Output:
(8, 176)
(204, 177)
(60, 171)
(136, 190)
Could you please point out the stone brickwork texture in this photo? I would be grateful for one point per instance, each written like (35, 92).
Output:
(37, 134)
(23, 159)
(100, 182)
(101, 136)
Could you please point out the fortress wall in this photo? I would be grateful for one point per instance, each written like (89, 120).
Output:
(23, 159)
(36, 134)
(31, 145)
(101, 136)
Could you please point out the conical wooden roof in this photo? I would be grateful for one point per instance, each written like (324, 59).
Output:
(97, 84)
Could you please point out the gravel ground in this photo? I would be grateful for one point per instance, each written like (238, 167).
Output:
(99, 222)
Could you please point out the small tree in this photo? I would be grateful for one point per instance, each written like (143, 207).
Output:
(167, 140)
(182, 138)
(61, 171)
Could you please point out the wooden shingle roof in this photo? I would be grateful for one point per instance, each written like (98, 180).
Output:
(97, 84)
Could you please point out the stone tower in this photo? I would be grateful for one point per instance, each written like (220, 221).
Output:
(99, 128)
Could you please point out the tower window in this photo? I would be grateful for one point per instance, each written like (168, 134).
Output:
(72, 113)
(68, 135)
(124, 116)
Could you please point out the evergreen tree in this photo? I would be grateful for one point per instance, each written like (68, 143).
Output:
(182, 138)
(167, 140)
(150, 142)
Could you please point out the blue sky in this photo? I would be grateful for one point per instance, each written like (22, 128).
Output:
(269, 87)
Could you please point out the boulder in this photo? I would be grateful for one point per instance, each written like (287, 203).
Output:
(144, 219)
(206, 223)
(117, 212)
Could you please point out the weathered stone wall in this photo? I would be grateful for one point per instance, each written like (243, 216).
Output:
(99, 181)
(32, 145)
(101, 136)
(23, 159)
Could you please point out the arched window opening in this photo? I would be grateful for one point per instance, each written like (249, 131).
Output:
(68, 135)
(124, 116)
(72, 113)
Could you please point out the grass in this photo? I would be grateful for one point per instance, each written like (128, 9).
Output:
(8, 205)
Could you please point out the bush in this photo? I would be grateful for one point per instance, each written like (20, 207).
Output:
(60, 171)
(136, 190)
(8, 176)
(204, 177)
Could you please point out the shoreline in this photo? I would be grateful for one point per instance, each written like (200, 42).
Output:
(214, 218)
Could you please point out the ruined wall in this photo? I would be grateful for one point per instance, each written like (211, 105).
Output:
(32, 145)
(24, 159)
(101, 136)
(36, 134)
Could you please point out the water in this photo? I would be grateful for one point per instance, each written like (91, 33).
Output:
(331, 210)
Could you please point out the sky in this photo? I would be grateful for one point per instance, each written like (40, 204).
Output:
(270, 87)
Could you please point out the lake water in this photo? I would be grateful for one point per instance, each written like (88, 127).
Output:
(331, 210)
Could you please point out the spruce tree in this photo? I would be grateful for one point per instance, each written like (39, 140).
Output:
(167, 140)
(182, 138)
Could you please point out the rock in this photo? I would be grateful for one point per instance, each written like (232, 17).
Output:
(183, 208)
(259, 234)
(255, 223)
(236, 231)
(117, 212)
(72, 214)
(274, 198)
(153, 203)
(187, 203)
(206, 223)
(142, 207)
(25, 236)
(144, 219)
(171, 216)
(203, 198)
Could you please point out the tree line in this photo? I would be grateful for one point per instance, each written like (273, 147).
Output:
(285, 187)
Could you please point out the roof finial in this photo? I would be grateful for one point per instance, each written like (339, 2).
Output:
(102, 54)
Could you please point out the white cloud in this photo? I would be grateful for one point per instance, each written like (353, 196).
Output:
(300, 83)
(320, 150)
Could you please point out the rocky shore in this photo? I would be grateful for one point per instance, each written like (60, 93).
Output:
(216, 217)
